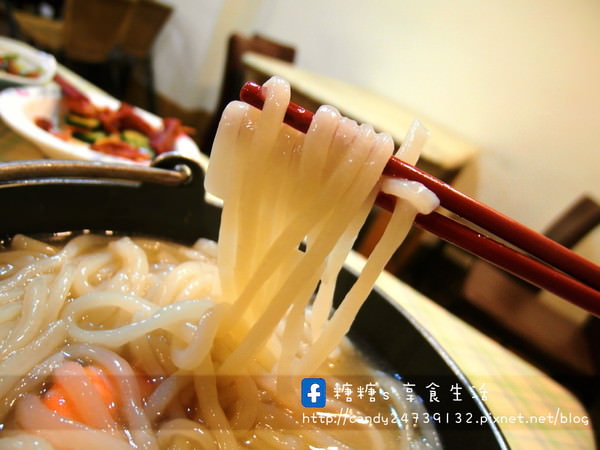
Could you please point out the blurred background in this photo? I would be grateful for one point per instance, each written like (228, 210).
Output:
(514, 85)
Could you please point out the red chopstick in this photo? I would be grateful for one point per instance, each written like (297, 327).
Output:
(556, 269)
(68, 88)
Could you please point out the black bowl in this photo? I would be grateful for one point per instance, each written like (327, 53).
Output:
(48, 197)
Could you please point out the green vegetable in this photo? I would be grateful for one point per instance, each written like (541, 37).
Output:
(135, 138)
(90, 136)
(82, 122)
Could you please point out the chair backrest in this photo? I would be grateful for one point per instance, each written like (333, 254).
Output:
(234, 67)
(516, 306)
(43, 32)
(233, 76)
(567, 229)
(94, 27)
(238, 44)
(146, 22)
(581, 218)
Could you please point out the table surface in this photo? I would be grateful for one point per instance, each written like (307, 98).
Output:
(513, 387)
(444, 149)
(515, 390)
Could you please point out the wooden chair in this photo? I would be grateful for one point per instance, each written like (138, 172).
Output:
(92, 28)
(85, 39)
(88, 32)
(516, 306)
(40, 31)
(138, 38)
(233, 76)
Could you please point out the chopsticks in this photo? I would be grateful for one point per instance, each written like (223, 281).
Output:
(528, 255)
(68, 89)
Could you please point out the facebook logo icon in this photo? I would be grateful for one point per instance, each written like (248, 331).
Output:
(313, 392)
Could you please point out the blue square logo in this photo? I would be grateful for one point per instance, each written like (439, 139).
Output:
(313, 392)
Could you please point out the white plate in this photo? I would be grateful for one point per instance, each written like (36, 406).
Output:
(30, 58)
(19, 107)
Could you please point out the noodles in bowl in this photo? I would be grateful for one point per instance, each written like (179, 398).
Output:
(129, 342)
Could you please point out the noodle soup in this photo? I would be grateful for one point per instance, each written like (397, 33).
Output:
(120, 343)
(102, 347)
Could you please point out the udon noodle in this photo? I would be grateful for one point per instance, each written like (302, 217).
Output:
(118, 342)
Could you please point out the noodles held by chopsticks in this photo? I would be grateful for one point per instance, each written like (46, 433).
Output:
(204, 346)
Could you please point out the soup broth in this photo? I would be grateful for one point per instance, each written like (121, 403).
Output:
(113, 342)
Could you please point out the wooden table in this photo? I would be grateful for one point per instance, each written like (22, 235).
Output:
(517, 393)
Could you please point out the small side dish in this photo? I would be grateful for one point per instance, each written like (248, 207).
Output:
(121, 131)
(21, 64)
(40, 115)
(12, 64)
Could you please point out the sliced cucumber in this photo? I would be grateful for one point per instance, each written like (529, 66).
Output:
(89, 123)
